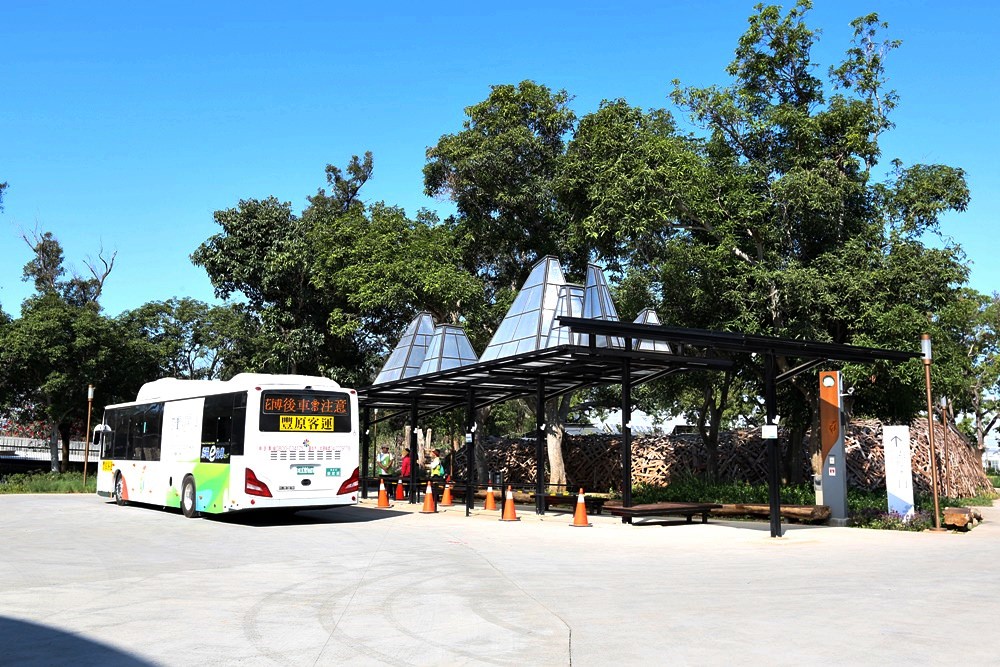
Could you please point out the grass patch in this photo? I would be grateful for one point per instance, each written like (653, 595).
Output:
(995, 479)
(48, 482)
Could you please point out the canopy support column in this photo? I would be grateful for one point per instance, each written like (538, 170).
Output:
(414, 464)
(365, 442)
(626, 432)
(540, 446)
(471, 482)
(773, 449)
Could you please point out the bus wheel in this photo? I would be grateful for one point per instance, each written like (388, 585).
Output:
(119, 490)
(188, 498)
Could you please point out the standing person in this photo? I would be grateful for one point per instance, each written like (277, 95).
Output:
(404, 465)
(386, 462)
(436, 469)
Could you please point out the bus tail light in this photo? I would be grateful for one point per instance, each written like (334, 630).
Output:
(351, 485)
(255, 487)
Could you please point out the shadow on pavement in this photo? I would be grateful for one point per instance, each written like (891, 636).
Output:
(28, 643)
(333, 515)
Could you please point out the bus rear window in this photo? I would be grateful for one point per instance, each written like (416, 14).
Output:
(305, 411)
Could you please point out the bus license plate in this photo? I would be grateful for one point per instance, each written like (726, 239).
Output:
(304, 470)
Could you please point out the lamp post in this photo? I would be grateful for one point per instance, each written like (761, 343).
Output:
(946, 450)
(86, 436)
(925, 346)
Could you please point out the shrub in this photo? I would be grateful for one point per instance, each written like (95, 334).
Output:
(48, 482)
(869, 517)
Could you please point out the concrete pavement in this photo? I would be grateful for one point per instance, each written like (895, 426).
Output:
(85, 582)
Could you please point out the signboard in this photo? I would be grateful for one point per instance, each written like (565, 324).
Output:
(829, 410)
(898, 470)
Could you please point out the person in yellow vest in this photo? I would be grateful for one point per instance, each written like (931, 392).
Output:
(435, 467)
(386, 464)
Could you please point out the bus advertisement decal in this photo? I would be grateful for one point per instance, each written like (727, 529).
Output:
(214, 454)
(211, 484)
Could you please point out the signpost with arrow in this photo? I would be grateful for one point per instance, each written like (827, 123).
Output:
(898, 470)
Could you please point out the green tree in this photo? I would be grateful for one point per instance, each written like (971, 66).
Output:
(54, 350)
(390, 267)
(500, 170)
(333, 288)
(971, 326)
(61, 343)
(262, 254)
(191, 339)
(773, 217)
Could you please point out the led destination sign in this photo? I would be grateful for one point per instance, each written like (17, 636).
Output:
(305, 411)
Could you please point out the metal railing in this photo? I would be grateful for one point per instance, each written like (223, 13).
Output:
(37, 449)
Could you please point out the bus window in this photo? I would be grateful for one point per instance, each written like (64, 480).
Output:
(118, 420)
(222, 427)
(152, 428)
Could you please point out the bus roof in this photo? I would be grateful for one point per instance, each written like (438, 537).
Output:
(166, 389)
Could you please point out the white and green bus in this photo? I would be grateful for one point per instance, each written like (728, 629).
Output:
(253, 442)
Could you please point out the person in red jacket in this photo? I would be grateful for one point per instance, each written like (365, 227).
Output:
(404, 465)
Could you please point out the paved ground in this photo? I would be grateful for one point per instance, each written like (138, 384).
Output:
(84, 582)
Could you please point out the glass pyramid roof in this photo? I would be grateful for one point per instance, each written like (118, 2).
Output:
(448, 348)
(408, 355)
(526, 326)
(597, 305)
(570, 304)
(649, 316)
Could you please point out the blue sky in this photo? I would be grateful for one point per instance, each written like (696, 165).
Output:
(126, 125)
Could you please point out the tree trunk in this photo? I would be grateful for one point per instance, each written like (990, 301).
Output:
(64, 434)
(556, 412)
(423, 442)
(816, 444)
(710, 421)
(793, 456)
(54, 447)
(482, 465)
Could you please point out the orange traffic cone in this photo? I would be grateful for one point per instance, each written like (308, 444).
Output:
(491, 503)
(508, 507)
(446, 496)
(430, 507)
(383, 497)
(580, 515)
(399, 490)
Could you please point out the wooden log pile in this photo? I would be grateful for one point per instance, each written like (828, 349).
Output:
(594, 461)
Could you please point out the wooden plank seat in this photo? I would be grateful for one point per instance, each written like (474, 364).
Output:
(687, 510)
(594, 504)
(804, 513)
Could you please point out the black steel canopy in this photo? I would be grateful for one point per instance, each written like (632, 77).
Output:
(557, 370)
(737, 342)
(564, 368)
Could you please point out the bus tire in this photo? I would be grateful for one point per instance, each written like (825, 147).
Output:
(189, 497)
(118, 492)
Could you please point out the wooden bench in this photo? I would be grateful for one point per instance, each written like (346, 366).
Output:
(594, 504)
(687, 510)
(804, 513)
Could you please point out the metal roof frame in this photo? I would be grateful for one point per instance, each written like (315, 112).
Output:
(556, 370)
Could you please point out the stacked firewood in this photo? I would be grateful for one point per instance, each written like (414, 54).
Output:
(594, 461)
